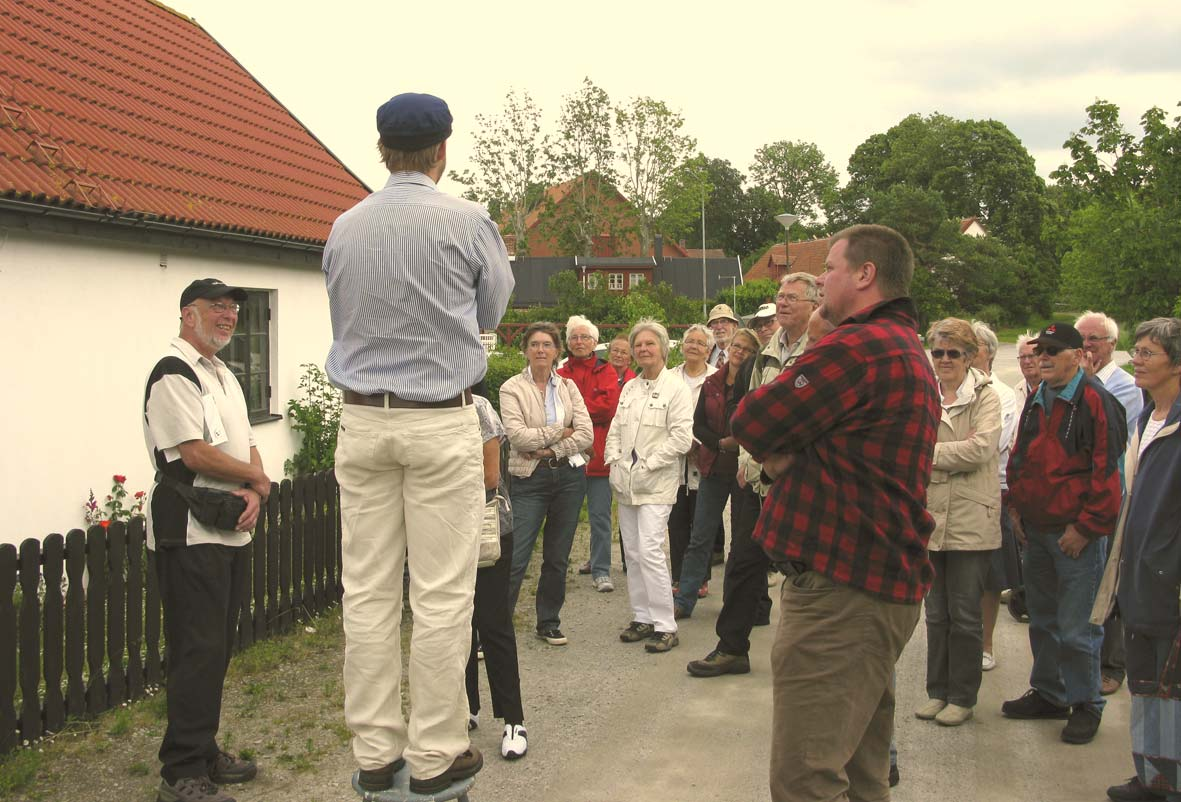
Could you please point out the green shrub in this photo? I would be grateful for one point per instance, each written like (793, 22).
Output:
(316, 416)
(501, 367)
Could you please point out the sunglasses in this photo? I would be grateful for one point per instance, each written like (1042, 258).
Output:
(950, 353)
(1048, 350)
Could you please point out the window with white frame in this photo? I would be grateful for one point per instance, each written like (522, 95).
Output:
(635, 279)
(593, 281)
(615, 281)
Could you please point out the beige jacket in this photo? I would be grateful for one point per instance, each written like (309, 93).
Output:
(654, 423)
(522, 408)
(964, 496)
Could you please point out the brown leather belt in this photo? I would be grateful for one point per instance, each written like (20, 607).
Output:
(553, 462)
(391, 401)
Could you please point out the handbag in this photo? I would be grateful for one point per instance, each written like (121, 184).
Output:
(219, 509)
(490, 534)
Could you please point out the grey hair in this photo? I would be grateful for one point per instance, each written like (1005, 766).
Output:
(1165, 332)
(699, 328)
(1022, 339)
(577, 321)
(1109, 324)
(987, 337)
(654, 326)
(812, 293)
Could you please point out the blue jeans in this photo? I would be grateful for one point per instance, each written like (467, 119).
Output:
(712, 494)
(1059, 592)
(552, 495)
(598, 510)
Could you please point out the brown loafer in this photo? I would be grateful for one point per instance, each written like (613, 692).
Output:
(464, 766)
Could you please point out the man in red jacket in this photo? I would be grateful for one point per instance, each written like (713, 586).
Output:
(599, 384)
(1064, 498)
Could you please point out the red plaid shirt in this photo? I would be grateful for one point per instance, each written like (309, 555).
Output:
(860, 414)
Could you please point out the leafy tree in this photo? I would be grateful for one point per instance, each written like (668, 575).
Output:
(1120, 215)
(739, 221)
(750, 296)
(652, 148)
(510, 153)
(582, 152)
(798, 176)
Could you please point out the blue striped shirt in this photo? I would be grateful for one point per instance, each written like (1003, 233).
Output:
(413, 275)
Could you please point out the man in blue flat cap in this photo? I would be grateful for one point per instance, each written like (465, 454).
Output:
(412, 277)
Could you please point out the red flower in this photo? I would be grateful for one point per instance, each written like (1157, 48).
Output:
(119, 479)
(140, 494)
(104, 524)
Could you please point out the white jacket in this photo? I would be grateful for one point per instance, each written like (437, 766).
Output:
(648, 439)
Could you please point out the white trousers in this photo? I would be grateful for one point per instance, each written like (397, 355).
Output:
(643, 529)
(411, 480)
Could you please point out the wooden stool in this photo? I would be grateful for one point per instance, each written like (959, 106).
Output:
(400, 790)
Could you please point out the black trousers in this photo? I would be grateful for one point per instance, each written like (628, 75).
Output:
(202, 589)
(680, 526)
(744, 592)
(492, 628)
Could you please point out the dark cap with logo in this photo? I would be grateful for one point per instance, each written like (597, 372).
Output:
(412, 121)
(210, 288)
(1062, 335)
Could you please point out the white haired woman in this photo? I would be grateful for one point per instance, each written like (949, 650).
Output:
(549, 428)
(599, 384)
(646, 445)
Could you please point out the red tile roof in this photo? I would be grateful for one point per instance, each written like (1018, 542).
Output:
(129, 108)
(807, 257)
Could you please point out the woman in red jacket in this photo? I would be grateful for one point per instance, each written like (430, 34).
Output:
(599, 384)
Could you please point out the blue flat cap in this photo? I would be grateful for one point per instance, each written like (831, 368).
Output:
(412, 121)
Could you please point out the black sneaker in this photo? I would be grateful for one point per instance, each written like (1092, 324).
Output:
(464, 766)
(191, 789)
(717, 663)
(1081, 727)
(895, 777)
(1133, 791)
(380, 779)
(636, 632)
(226, 769)
(1033, 705)
(553, 636)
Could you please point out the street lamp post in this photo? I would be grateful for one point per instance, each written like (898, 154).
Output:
(787, 220)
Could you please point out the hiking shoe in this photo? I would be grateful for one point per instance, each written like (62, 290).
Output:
(895, 777)
(1110, 685)
(930, 709)
(603, 584)
(661, 642)
(191, 789)
(514, 743)
(464, 766)
(380, 779)
(553, 636)
(1033, 705)
(227, 769)
(636, 632)
(585, 568)
(473, 721)
(1133, 791)
(1081, 727)
(717, 663)
(987, 661)
(953, 715)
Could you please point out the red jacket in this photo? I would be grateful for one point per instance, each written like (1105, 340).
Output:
(711, 422)
(599, 384)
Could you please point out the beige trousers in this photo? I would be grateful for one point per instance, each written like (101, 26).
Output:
(832, 661)
(411, 480)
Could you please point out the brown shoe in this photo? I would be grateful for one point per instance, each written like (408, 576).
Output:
(1110, 685)
(191, 789)
(636, 632)
(464, 766)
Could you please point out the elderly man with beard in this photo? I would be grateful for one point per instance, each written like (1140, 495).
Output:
(198, 434)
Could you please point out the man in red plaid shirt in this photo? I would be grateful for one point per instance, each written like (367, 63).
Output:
(855, 419)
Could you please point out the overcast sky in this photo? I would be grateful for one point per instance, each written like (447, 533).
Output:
(743, 73)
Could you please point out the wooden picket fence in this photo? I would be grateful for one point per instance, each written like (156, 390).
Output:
(80, 617)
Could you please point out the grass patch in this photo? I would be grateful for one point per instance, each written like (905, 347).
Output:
(19, 770)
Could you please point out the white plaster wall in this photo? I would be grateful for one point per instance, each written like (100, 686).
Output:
(86, 321)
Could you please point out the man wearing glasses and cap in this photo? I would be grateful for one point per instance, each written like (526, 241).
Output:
(1064, 497)
(723, 323)
(412, 276)
(198, 434)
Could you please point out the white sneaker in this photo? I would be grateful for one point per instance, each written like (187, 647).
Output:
(987, 662)
(603, 584)
(929, 710)
(473, 721)
(514, 744)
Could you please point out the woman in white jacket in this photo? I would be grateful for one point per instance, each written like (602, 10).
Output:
(646, 446)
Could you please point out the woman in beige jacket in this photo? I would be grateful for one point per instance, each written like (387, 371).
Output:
(964, 498)
(549, 428)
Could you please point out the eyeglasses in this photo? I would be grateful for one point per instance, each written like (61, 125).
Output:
(221, 308)
(950, 353)
(1144, 353)
(1048, 350)
(1026, 357)
(542, 345)
(576, 337)
(764, 322)
(1095, 338)
(694, 343)
(791, 298)
(741, 349)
